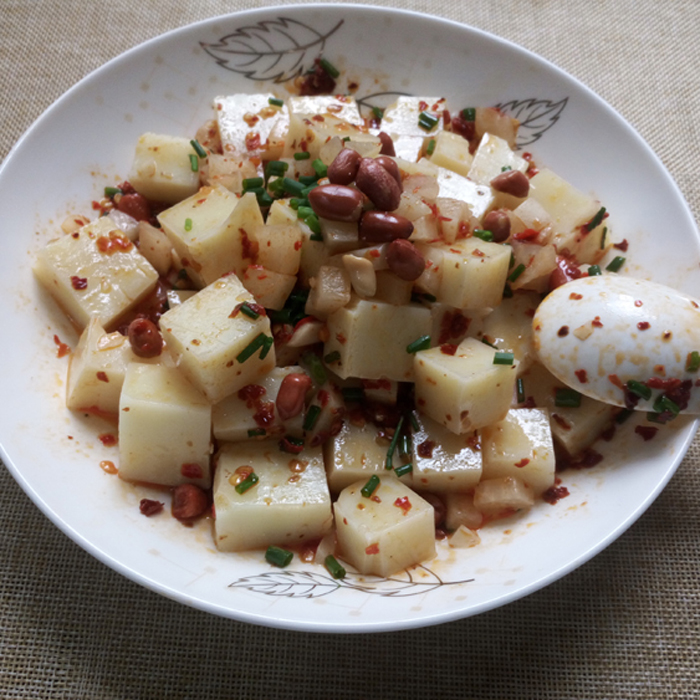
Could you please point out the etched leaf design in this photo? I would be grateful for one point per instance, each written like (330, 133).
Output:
(535, 117)
(277, 50)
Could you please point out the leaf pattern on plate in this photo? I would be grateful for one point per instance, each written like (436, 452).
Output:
(535, 117)
(278, 50)
(315, 584)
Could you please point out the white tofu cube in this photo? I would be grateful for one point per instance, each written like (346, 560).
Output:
(289, 504)
(95, 272)
(269, 288)
(164, 428)
(211, 339)
(492, 155)
(401, 122)
(452, 152)
(479, 198)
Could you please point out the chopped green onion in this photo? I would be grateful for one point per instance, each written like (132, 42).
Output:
(431, 147)
(567, 398)
(486, 341)
(257, 191)
(346, 139)
(251, 182)
(520, 388)
(507, 292)
(311, 417)
(506, 168)
(334, 568)
(594, 270)
(264, 199)
(663, 404)
(353, 393)
(503, 358)
(422, 343)
(320, 167)
(315, 225)
(615, 264)
(246, 309)
(278, 556)
(329, 68)
(307, 180)
(370, 487)
(378, 112)
(603, 237)
(427, 121)
(469, 114)
(267, 346)
(315, 366)
(403, 469)
(639, 389)
(275, 102)
(483, 234)
(307, 190)
(595, 221)
(111, 191)
(392, 445)
(656, 418)
(293, 186)
(692, 363)
(276, 167)
(516, 273)
(304, 211)
(198, 148)
(414, 421)
(194, 163)
(257, 432)
(276, 187)
(252, 347)
(247, 483)
(188, 224)
(332, 357)
(302, 155)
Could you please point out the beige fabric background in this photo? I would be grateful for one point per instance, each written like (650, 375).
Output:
(625, 625)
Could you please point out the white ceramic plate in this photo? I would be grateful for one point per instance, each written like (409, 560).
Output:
(86, 140)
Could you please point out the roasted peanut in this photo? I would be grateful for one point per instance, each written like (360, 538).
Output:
(390, 166)
(145, 338)
(512, 182)
(189, 501)
(344, 167)
(405, 260)
(498, 222)
(387, 144)
(378, 184)
(291, 395)
(382, 227)
(336, 202)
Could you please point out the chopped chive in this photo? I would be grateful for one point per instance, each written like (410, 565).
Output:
(414, 421)
(422, 343)
(293, 202)
(276, 187)
(595, 221)
(615, 264)
(516, 273)
(111, 191)
(512, 260)
(431, 147)
(506, 168)
(657, 418)
(267, 346)
(257, 432)
(392, 445)
(252, 347)
(639, 389)
(503, 358)
(520, 388)
(346, 139)
(246, 309)
(308, 180)
(507, 292)
(332, 357)
(302, 155)
(594, 270)
(198, 148)
(251, 182)
(255, 190)
(276, 167)
(427, 121)
(194, 163)
(329, 68)
(486, 341)
(567, 398)
(353, 393)
(315, 366)
(275, 102)
(320, 167)
(304, 211)
(692, 363)
(293, 186)
(264, 199)
(247, 483)
(278, 556)
(403, 469)
(603, 237)
(370, 487)
(469, 114)
(188, 224)
(334, 568)
(663, 404)
(311, 417)
(483, 234)
(378, 113)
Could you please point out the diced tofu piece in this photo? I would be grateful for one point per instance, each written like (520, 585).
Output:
(479, 198)
(372, 336)
(288, 505)
(464, 391)
(492, 155)
(509, 327)
(155, 247)
(250, 126)
(391, 530)
(392, 289)
(538, 262)
(269, 288)
(341, 107)
(227, 171)
(520, 445)
(179, 296)
(162, 170)
(355, 453)
(95, 272)
(164, 428)
(330, 291)
(214, 232)
(493, 121)
(279, 247)
(502, 496)
(456, 220)
(401, 122)
(461, 511)
(339, 236)
(442, 461)
(452, 152)
(211, 343)
(252, 409)
(574, 428)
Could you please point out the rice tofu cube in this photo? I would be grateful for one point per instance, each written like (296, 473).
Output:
(214, 232)
(388, 531)
(289, 504)
(491, 157)
(218, 347)
(521, 446)
(95, 272)
(162, 170)
(250, 126)
(372, 336)
(443, 461)
(453, 185)
(402, 119)
(464, 391)
(452, 152)
(164, 428)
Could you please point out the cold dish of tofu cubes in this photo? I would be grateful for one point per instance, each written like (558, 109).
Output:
(315, 327)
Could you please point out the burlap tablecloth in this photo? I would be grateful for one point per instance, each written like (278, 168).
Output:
(625, 625)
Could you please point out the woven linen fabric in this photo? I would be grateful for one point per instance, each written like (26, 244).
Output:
(624, 625)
